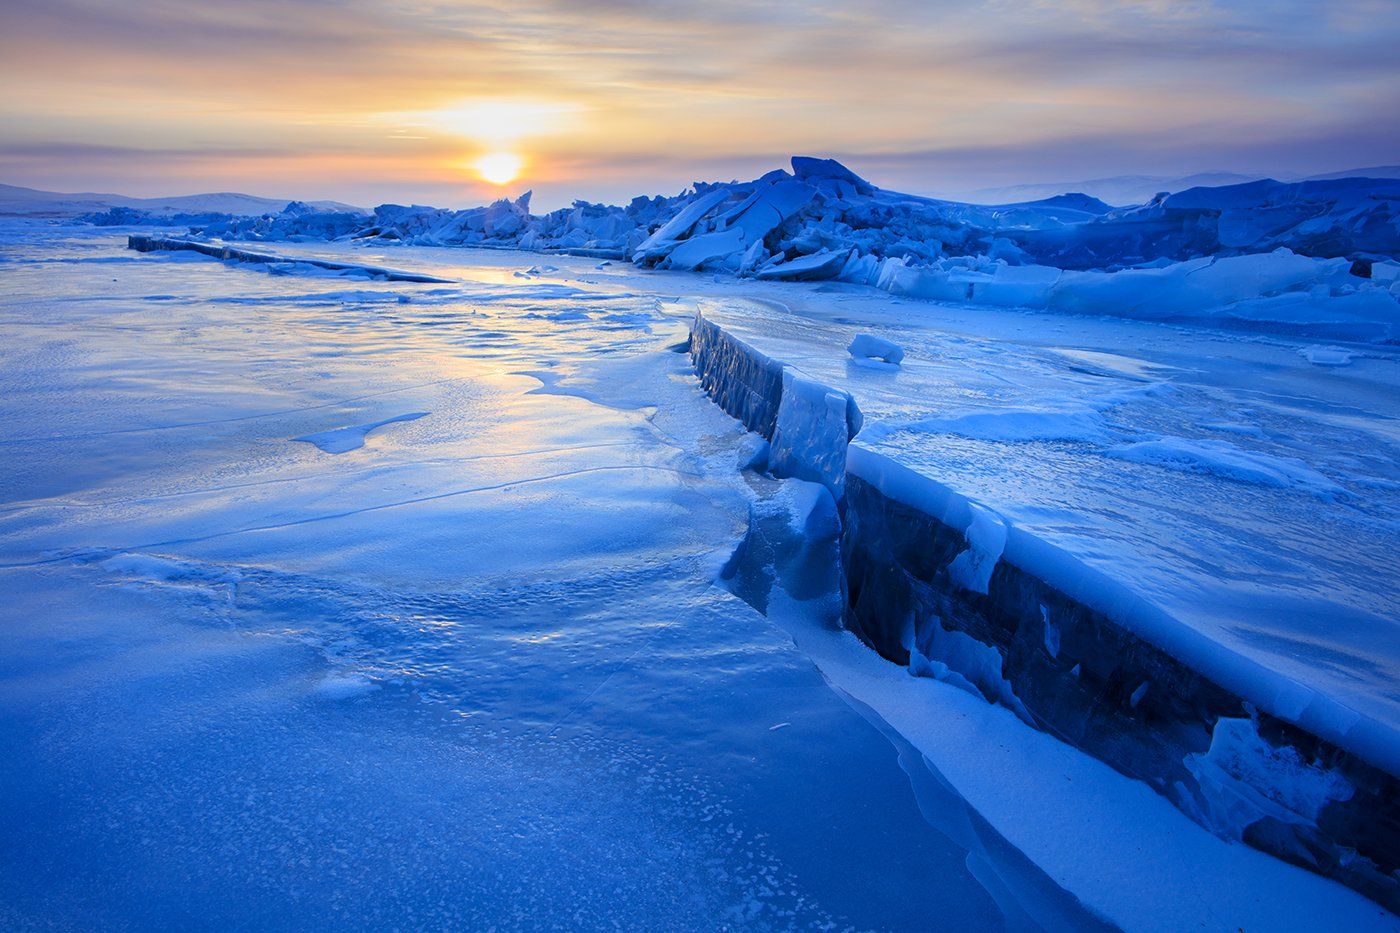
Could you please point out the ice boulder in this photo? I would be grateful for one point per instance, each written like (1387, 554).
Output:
(870, 347)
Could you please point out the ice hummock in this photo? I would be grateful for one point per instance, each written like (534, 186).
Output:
(1313, 258)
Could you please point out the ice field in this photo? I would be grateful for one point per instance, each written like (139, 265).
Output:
(340, 601)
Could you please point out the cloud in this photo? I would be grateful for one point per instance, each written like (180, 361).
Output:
(686, 88)
(95, 152)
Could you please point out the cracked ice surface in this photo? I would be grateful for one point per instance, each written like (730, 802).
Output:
(1249, 495)
(472, 673)
(475, 672)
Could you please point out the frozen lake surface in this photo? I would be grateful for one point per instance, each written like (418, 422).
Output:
(338, 602)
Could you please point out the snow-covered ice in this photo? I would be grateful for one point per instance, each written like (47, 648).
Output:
(472, 674)
(544, 641)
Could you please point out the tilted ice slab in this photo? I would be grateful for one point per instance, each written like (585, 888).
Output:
(1208, 526)
(275, 263)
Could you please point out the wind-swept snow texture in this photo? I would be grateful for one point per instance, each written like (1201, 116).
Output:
(474, 674)
(1293, 258)
(1242, 730)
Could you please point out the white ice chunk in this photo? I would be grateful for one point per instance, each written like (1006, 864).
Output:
(870, 347)
(860, 269)
(754, 255)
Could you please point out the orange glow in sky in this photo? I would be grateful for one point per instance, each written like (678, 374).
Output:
(499, 168)
(443, 103)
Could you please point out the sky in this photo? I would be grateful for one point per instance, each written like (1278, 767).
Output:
(458, 103)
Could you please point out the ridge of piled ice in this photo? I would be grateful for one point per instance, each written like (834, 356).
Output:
(965, 591)
(1313, 258)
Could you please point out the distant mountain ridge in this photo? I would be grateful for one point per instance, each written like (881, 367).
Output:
(34, 202)
(1136, 189)
(1375, 171)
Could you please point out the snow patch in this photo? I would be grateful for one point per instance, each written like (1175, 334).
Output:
(1223, 459)
(344, 440)
(1327, 356)
(344, 686)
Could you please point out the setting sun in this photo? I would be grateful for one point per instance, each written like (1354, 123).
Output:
(499, 168)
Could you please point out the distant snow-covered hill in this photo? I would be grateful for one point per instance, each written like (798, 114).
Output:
(31, 201)
(1120, 189)
(1375, 171)
(1136, 189)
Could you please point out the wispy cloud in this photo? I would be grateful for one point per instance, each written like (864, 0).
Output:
(674, 90)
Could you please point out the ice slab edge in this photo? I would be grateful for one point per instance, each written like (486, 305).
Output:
(808, 425)
(934, 582)
(150, 244)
